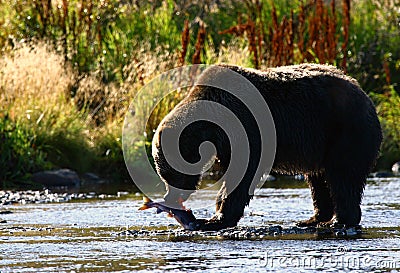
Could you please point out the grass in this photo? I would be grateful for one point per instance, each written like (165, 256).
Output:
(69, 70)
(19, 155)
(42, 123)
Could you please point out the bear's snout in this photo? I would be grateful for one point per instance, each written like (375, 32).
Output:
(174, 196)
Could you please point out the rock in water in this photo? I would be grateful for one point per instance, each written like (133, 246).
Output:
(396, 168)
(57, 178)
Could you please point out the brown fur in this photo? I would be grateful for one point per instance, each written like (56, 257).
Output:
(326, 128)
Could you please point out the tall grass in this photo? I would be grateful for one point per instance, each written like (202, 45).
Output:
(35, 87)
(52, 117)
(102, 35)
(374, 53)
(93, 35)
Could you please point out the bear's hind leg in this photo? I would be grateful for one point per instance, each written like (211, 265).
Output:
(346, 190)
(322, 201)
(348, 163)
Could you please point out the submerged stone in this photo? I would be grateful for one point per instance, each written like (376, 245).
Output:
(396, 168)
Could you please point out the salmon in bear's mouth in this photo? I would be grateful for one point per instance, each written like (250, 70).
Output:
(184, 216)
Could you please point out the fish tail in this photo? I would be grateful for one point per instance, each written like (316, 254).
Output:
(145, 205)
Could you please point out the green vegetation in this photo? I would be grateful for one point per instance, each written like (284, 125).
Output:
(69, 69)
(389, 113)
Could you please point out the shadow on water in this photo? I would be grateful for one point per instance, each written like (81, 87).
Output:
(112, 235)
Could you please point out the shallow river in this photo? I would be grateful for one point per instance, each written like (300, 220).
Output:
(88, 236)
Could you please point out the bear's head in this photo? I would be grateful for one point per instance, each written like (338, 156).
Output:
(177, 149)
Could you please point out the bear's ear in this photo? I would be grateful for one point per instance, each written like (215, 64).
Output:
(157, 135)
(157, 139)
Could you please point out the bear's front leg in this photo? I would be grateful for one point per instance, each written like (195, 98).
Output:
(229, 209)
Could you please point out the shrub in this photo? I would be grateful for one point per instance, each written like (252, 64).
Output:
(19, 154)
(388, 107)
(34, 93)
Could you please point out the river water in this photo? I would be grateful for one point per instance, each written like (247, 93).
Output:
(90, 236)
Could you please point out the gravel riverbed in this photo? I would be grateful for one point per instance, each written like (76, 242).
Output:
(46, 196)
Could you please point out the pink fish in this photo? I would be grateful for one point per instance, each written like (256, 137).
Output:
(184, 216)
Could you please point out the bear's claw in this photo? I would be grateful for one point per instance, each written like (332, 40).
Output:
(312, 222)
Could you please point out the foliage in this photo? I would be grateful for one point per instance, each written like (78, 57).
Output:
(41, 125)
(92, 35)
(374, 55)
(306, 32)
(389, 114)
(19, 153)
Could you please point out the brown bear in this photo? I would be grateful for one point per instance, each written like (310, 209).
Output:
(326, 128)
